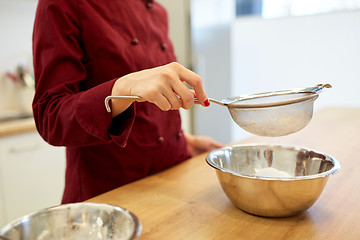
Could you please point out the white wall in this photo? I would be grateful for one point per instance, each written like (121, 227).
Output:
(211, 28)
(16, 26)
(179, 28)
(297, 52)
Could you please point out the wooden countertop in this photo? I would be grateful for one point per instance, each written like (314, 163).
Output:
(187, 202)
(19, 126)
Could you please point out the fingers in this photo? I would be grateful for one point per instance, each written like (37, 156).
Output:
(173, 101)
(161, 91)
(200, 144)
(164, 99)
(194, 80)
(164, 86)
(185, 94)
(215, 144)
(170, 85)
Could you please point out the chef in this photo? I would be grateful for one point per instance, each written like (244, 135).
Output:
(85, 50)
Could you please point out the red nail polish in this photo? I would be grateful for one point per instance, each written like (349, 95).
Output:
(207, 103)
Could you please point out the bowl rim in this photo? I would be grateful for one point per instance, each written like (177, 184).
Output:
(328, 173)
(308, 97)
(137, 227)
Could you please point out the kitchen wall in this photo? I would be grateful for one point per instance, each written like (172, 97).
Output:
(211, 47)
(16, 24)
(295, 52)
(250, 54)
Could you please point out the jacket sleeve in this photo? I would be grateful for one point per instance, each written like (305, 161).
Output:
(64, 112)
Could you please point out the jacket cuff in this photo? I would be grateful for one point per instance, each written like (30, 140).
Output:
(94, 119)
(121, 126)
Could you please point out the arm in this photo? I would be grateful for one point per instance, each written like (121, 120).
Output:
(66, 113)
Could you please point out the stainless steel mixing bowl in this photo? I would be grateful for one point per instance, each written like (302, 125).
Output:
(80, 221)
(272, 180)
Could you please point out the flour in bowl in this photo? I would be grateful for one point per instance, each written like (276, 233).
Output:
(271, 172)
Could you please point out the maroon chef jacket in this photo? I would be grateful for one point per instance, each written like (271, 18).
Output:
(80, 47)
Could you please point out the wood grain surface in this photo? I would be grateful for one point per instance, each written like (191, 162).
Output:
(17, 127)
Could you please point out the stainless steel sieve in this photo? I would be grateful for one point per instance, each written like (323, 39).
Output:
(270, 114)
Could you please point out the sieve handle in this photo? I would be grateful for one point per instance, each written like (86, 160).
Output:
(108, 109)
(316, 89)
(108, 98)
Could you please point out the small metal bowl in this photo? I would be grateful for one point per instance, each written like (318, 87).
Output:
(79, 221)
(272, 180)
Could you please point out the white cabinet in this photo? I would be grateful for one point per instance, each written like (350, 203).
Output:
(31, 175)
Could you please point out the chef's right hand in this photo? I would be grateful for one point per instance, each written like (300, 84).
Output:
(162, 86)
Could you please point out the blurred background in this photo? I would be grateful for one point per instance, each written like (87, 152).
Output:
(237, 46)
(249, 46)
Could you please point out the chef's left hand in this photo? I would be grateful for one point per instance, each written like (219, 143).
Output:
(200, 144)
